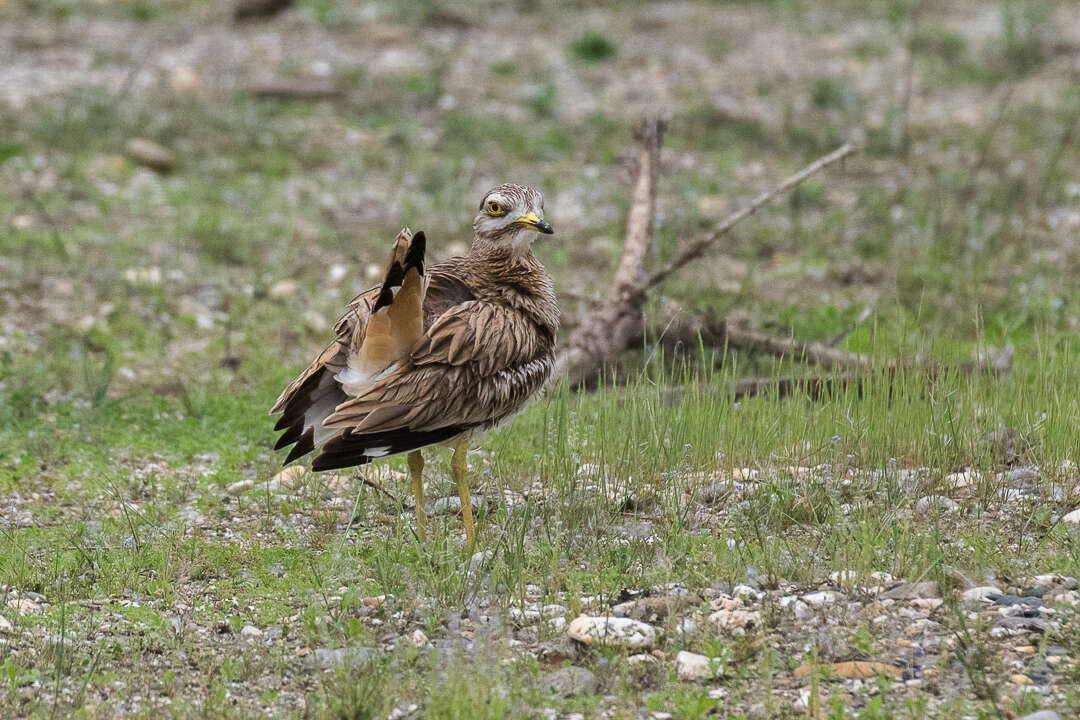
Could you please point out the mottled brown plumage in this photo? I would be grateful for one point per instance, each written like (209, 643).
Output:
(432, 356)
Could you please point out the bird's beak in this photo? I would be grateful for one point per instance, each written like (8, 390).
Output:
(533, 222)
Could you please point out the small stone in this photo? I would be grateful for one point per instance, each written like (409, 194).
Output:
(419, 639)
(22, 222)
(691, 666)
(978, 594)
(523, 616)
(965, 479)
(240, 487)
(557, 651)
(1066, 597)
(1012, 600)
(570, 681)
(328, 658)
(910, 591)
(1019, 623)
(150, 154)
(854, 669)
(315, 321)
(185, 81)
(1072, 518)
(686, 626)
(718, 693)
(337, 272)
(742, 592)
(736, 622)
(481, 561)
(620, 632)
(1024, 477)
(25, 605)
(401, 712)
(5, 625)
(250, 632)
(726, 603)
(658, 608)
(283, 289)
(929, 604)
(1019, 679)
(288, 479)
(821, 599)
(553, 610)
(450, 505)
(1056, 580)
(933, 505)
(641, 659)
(1041, 715)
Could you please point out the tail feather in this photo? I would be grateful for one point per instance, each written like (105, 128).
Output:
(350, 449)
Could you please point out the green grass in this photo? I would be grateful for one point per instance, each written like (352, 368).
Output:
(592, 48)
(145, 333)
(123, 536)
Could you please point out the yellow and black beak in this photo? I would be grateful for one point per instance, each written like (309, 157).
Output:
(533, 222)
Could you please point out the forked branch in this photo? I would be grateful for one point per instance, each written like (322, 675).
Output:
(613, 324)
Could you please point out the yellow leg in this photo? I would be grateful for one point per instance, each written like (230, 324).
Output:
(416, 472)
(460, 467)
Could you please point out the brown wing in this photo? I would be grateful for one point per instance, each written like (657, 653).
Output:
(377, 328)
(478, 363)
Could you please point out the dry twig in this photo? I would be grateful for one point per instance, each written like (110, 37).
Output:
(698, 248)
(613, 324)
(305, 89)
(603, 333)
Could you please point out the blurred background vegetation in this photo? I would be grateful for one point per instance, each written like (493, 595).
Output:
(284, 152)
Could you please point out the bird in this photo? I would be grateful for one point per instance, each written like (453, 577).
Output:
(434, 355)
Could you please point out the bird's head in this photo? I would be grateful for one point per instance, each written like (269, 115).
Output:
(509, 215)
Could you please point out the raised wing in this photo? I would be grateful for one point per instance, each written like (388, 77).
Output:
(477, 364)
(377, 329)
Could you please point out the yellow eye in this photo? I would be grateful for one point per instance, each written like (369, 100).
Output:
(494, 208)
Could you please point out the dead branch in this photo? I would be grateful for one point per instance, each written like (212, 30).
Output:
(680, 332)
(688, 331)
(815, 353)
(306, 89)
(604, 331)
(819, 386)
(698, 248)
(258, 9)
(866, 313)
(814, 388)
(615, 323)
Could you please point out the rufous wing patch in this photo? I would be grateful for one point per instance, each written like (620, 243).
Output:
(397, 316)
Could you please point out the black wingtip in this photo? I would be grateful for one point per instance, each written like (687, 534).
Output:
(337, 462)
(415, 256)
(394, 277)
(303, 446)
(291, 435)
